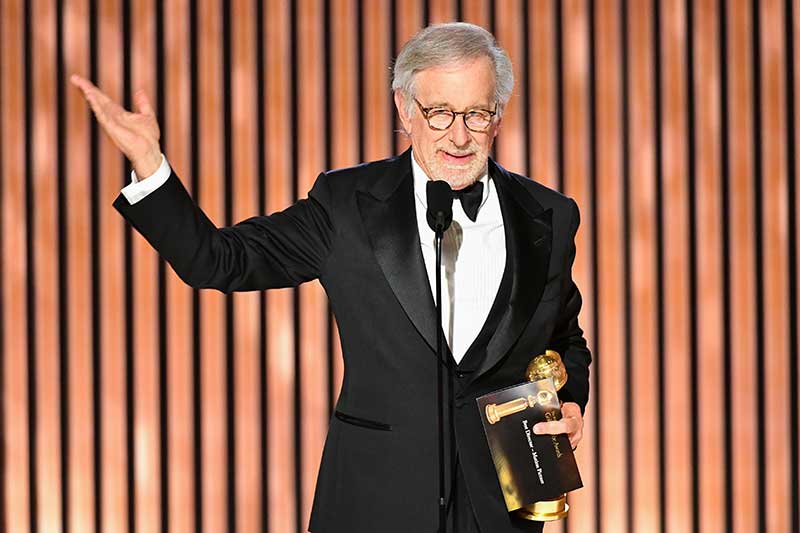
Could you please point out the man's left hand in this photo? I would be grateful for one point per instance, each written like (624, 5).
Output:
(571, 423)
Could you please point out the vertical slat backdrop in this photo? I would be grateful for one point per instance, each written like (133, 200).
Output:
(130, 402)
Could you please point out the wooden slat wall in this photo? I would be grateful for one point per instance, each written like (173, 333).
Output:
(129, 402)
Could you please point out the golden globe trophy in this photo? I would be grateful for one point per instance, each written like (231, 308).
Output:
(538, 468)
(547, 365)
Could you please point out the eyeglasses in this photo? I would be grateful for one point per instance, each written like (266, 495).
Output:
(441, 118)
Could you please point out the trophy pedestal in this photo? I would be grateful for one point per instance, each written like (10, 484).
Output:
(545, 510)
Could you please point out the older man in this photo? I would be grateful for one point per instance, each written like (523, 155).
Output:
(363, 233)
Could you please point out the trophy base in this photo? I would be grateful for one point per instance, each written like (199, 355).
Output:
(545, 510)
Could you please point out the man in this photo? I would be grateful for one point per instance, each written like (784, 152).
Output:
(362, 232)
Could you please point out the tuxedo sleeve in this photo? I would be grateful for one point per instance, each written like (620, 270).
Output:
(262, 252)
(568, 337)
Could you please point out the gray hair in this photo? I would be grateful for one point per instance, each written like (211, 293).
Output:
(441, 44)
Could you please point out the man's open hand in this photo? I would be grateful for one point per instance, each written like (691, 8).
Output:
(571, 423)
(135, 134)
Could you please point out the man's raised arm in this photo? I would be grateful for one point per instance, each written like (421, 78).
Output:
(262, 252)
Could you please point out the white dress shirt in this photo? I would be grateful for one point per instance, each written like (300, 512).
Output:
(473, 254)
(473, 260)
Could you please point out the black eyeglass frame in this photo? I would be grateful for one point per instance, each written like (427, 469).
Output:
(426, 111)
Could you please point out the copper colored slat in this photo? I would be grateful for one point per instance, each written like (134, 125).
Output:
(796, 66)
(378, 121)
(15, 363)
(796, 177)
(441, 11)
(644, 305)
(212, 335)
(577, 185)
(677, 440)
(742, 228)
(610, 253)
(311, 105)
(542, 98)
(246, 305)
(343, 93)
(176, 120)
(45, 250)
(147, 469)
(114, 459)
(280, 347)
(775, 260)
(796, 48)
(796, 199)
(708, 251)
(408, 21)
(476, 12)
(80, 478)
(314, 304)
(511, 140)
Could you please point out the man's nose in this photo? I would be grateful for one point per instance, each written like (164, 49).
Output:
(459, 134)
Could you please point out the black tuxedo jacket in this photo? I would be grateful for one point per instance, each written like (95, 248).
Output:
(357, 233)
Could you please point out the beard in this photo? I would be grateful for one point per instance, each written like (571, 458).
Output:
(458, 175)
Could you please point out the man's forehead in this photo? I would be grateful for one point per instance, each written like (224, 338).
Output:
(455, 100)
(466, 82)
(482, 103)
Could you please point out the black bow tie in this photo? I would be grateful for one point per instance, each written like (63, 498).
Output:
(470, 199)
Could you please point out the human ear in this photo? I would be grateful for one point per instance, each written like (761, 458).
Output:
(497, 126)
(400, 104)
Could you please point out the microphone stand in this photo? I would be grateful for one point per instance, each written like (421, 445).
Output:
(440, 379)
(440, 216)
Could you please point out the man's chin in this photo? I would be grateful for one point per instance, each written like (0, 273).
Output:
(458, 178)
(459, 181)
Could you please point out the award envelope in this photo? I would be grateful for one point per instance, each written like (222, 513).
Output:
(529, 467)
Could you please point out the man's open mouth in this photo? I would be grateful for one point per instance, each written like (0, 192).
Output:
(457, 158)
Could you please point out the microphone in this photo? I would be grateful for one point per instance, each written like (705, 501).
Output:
(440, 206)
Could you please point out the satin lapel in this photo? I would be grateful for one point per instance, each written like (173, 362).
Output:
(529, 235)
(391, 225)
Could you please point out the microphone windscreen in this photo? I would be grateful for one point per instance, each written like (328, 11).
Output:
(440, 205)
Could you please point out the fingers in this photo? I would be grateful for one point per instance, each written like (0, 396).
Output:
(82, 83)
(105, 108)
(113, 117)
(557, 427)
(143, 103)
(90, 90)
(571, 424)
(100, 103)
(573, 411)
(97, 107)
(575, 439)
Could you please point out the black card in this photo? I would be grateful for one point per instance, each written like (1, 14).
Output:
(530, 467)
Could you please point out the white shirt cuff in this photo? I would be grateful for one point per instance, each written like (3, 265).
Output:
(138, 189)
